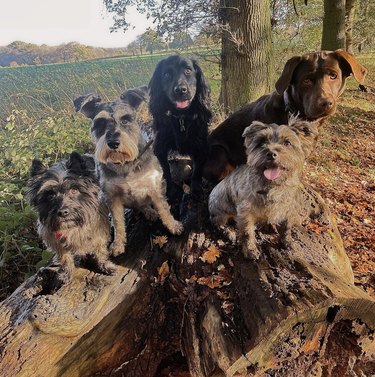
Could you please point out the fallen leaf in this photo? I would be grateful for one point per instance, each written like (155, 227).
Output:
(160, 240)
(210, 255)
(163, 272)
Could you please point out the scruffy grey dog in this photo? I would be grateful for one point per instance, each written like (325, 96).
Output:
(130, 174)
(72, 220)
(268, 188)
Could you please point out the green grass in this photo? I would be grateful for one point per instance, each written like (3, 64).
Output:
(44, 89)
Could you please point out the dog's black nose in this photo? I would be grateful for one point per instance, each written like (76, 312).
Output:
(271, 155)
(180, 89)
(113, 144)
(63, 212)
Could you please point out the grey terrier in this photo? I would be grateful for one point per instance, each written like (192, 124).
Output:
(72, 219)
(268, 188)
(130, 174)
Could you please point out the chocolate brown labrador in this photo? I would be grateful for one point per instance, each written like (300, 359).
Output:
(309, 87)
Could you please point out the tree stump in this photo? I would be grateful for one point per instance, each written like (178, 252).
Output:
(294, 312)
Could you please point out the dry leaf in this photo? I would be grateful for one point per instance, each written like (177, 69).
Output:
(160, 240)
(210, 255)
(163, 272)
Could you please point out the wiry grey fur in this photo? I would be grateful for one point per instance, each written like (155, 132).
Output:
(130, 174)
(72, 220)
(249, 197)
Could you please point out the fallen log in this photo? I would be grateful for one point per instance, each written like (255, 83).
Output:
(293, 312)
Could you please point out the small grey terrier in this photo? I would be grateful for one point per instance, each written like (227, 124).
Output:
(72, 219)
(268, 188)
(130, 173)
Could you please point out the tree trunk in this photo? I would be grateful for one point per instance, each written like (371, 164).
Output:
(333, 36)
(246, 57)
(294, 312)
(349, 21)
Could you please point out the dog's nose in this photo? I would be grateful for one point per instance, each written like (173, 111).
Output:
(325, 103)
(63, 212)
(113, 144)
(271, 155)
(180, 89)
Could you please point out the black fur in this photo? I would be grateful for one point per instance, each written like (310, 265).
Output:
(179, 103)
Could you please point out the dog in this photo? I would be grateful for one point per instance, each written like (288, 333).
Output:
(180, 106)
(309, 86)
(268, 188)
(72, 219)
(130, 174)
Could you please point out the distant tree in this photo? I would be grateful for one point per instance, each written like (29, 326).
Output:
(244, 27)
(181, 40)
(333, 36)
(151, 41)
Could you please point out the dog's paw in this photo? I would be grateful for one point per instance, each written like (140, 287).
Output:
(177, 228)
(250, 251)
(229, 233)
(117, 248)
(107, 268)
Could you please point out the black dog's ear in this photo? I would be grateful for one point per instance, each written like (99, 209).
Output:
(308, 133)
(286, 76)
(37, 168)
(76, 163)
(349, 65)
(253, 129)
(135, 96)
(87, 105)
(154, 86)
(203, 88)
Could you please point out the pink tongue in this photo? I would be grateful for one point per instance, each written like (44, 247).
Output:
(272, 174)
(182, 105)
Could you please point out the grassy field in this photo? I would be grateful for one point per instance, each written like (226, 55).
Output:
(37, 120)
(45, 89)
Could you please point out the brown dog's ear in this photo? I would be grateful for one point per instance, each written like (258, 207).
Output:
(307, 132)
(286, 76)
(134, 97)
(87, 105)
(351, 66)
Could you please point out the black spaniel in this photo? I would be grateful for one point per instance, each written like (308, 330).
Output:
(179, 103)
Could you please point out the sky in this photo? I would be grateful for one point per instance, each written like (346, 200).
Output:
(53, 22)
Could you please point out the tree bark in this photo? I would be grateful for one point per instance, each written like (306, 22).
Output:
(294, 312)
(333, 36)
(350, 6)
(247, 55)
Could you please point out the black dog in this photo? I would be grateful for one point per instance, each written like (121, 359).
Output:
(179, 103)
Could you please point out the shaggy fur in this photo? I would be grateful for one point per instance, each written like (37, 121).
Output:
(179, 103)
(72, 220)
(268, 188)
(130, 174)
(309, 87)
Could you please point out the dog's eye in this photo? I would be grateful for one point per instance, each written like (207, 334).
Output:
(287, 143)
(100, 123)
(73, 191)
(307, 81)
(50, 195)
(333, 75)
(167, 75)
(124, 120)
(188, 71)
